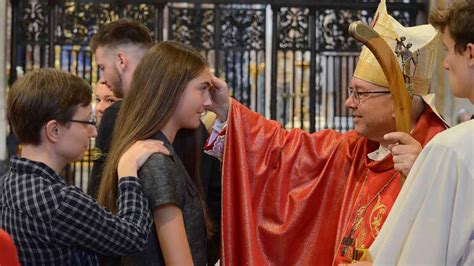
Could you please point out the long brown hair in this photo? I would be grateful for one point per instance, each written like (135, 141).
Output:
(158, 82)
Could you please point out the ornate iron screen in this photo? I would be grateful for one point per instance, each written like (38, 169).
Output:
(289, 60)
(314, 58)
(233, 39)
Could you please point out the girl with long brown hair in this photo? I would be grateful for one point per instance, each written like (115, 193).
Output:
(169, 91)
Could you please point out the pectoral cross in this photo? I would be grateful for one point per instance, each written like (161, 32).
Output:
(347, 242)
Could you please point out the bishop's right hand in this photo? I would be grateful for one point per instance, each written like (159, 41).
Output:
(220, 98)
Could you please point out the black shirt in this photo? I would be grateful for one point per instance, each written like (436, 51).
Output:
(165, 181)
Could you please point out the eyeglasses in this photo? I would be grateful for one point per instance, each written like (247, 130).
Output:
(91, 122)
(362, 94)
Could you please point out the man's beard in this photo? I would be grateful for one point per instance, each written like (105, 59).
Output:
(117, 85)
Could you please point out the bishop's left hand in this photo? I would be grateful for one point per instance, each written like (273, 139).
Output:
(404, 152)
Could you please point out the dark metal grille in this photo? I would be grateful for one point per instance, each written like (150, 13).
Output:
(233, 40)
(289, 60)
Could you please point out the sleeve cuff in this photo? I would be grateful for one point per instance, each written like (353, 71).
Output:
(129, 181)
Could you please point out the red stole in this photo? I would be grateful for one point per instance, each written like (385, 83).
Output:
(381, 187)
(288, 196)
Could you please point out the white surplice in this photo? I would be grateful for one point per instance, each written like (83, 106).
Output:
(432, 221)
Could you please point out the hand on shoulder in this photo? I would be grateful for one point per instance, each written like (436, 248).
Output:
(134, 158)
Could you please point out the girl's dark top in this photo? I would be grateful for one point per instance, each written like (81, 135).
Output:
(165, 181)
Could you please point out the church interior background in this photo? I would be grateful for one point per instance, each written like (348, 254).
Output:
(290, 60)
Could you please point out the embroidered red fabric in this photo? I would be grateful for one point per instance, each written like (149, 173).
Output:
(288, 196)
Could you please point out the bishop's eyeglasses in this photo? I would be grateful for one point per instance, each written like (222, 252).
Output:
(362, 94)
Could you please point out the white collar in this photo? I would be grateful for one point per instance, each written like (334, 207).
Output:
(379, 154)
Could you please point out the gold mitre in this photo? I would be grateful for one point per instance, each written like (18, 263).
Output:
(424, 40)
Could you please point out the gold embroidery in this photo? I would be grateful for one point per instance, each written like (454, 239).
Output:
(359, 217)
(361, 239)
(377, 217)
(349, 241)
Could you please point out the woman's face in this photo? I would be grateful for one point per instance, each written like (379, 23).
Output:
(103, 99)
(193, 100)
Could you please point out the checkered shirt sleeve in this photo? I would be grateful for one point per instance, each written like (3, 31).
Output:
(81, 221)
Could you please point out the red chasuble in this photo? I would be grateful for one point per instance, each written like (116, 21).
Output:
(290, 197)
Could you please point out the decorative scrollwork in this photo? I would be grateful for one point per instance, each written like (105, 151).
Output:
(143, 13)
(244, 28)
(193, 26)
(294, 27)
(78, 22)
(404, 17)
(331, 29)
(34, 21)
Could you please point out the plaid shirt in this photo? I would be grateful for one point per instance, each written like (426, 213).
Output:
(52, 223)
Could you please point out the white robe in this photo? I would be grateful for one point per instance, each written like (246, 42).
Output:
(432, 220)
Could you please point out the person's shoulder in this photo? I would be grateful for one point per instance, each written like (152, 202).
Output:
(160, 177)
(348, 137)
(42, 183)
(113, 109)
(116, 105)
(159, 157)
(158, 161)
(107, 125)
(456, 137)
(37, 195)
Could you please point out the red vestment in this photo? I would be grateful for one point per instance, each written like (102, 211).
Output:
(8, 251)
(289, 197)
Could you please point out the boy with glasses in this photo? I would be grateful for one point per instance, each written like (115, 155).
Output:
(51, 222)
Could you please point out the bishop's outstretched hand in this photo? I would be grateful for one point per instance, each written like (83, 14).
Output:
(220, 98)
